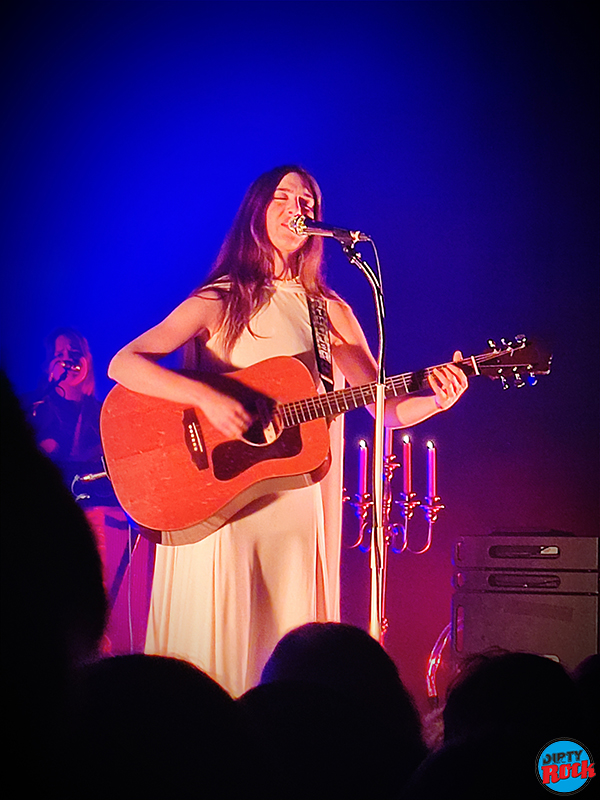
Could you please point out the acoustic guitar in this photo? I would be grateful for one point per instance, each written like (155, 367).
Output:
(171, 469)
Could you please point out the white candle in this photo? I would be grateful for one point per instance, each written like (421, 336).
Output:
(407, 464)
(431, 471)
(363, 467)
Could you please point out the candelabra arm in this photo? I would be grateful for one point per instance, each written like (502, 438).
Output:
(431, 508)
(361, 505)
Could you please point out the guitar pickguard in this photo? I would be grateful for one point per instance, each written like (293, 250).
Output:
(232, 458)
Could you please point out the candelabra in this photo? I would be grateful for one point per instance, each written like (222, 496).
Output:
(396, 533)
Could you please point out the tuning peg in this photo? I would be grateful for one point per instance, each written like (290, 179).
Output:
(505, 383)
(519, 382)
(492, 344)
(521, 339)
(531, 379)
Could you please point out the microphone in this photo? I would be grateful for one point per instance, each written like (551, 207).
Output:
(305, 226)
(53, 383)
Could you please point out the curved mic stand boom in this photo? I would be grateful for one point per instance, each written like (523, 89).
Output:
(377, 620)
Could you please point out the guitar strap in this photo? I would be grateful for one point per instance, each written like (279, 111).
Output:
(319, 320)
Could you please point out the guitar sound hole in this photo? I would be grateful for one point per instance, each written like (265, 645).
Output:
(255, 434)
(265, 429)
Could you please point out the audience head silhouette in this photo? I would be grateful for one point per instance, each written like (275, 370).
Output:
(505, 693)
(54, 603)
(332, 689)
(152, 726)
(500, 711)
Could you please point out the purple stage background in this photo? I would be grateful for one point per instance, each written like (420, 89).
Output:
(463, 136)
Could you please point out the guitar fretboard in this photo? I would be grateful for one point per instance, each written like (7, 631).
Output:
(340, 401)
(331, 404)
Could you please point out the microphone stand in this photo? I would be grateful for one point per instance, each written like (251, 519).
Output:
(377, 619)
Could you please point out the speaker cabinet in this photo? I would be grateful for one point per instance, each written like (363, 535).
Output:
(535, 593)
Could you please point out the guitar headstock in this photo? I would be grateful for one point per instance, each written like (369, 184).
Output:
(518, 361)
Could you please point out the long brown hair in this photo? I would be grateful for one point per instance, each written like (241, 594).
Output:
(245, 264)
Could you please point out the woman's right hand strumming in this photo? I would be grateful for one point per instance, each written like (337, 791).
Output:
(225, 413)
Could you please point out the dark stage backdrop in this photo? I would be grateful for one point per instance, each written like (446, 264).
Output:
(462, 136)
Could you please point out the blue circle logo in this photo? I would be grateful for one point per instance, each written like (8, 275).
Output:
(564, 766)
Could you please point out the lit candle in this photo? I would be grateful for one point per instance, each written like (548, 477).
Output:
(407, 464)
(363, 468)
(431, 471)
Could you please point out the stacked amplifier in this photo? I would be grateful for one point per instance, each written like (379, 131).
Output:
(536, 593)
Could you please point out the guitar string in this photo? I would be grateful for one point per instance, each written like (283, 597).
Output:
(344, 400)
(321, 405)
(295, 412)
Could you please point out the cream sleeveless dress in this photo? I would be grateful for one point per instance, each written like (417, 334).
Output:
(223, 603)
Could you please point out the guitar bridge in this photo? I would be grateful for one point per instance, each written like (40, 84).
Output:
(194, 439)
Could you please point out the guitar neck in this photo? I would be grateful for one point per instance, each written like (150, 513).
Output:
(331, 404)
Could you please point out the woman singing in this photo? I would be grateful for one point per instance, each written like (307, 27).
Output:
(64, 412)
(224, 602)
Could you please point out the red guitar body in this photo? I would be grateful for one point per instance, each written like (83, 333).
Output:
(171, 470)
